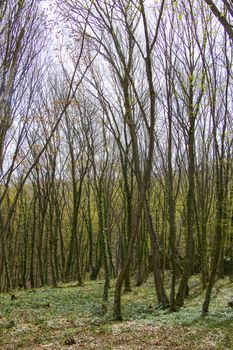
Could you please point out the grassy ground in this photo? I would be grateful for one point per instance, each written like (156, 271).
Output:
(71, 318)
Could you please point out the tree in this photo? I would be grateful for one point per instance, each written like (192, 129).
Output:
(223, 15)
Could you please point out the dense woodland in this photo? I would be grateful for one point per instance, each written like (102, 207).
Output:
(116, 147)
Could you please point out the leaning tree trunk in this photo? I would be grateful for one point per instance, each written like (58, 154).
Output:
(183, 286)
(159, 285)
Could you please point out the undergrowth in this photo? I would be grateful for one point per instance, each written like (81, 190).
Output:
(47, 315)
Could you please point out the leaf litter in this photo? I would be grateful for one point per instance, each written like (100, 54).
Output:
(73, 321)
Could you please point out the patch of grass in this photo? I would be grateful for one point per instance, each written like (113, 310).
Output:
(51, 315)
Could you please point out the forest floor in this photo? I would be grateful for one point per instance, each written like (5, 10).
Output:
(71, 318)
